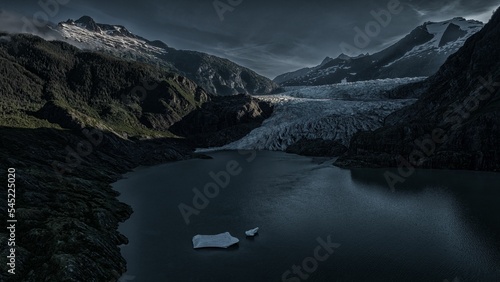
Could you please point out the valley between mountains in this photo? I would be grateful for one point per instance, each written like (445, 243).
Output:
(80, 111)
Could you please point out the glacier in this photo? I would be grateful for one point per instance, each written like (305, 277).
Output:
(329, 112)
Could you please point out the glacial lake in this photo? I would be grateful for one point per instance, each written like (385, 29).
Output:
(437, 226)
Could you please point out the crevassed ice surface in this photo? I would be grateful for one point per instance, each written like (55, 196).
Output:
(329, 112)
(371, 90)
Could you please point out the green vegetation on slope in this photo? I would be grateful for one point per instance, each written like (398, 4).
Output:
(52, 84)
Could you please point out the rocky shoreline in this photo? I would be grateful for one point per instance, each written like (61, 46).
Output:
(68, 213)
(67, 210)
(68, 220)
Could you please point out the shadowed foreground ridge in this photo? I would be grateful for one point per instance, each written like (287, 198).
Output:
(460, 102)
(68, 220)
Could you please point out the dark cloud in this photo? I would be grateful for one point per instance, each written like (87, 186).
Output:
(12, 22)
(270, 37)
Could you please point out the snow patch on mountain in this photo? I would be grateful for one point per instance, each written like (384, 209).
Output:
(438, 30)
(216, 75)
(420, 53)
(107, 39)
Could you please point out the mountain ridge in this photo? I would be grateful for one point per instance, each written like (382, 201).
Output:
(420, 53)
(216, 75)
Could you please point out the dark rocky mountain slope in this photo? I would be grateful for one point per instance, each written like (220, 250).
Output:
(223, 120)
(456, 122)
(55, 84)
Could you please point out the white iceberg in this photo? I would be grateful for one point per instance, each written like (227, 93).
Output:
(252, 232)
(223, 240)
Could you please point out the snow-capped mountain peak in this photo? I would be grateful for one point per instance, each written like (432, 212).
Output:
(86, 22)
(89, 24)
(348, 58)
(326, 61)
(418, 54)
(437, 27)
(87, 34)
(452, 30)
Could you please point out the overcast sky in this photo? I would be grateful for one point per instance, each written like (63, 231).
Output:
(270, 37)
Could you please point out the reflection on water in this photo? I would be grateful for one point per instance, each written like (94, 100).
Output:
(437, 225)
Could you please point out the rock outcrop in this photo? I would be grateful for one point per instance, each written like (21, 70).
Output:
(223, 120)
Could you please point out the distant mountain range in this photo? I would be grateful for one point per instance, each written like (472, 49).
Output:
(216, 75)
(418, 54)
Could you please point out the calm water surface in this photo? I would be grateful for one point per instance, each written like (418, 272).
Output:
(437, 225)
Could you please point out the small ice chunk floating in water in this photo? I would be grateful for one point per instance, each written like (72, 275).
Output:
(223, 240)
(252, 232)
